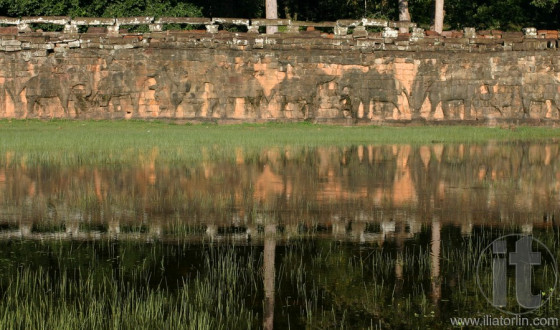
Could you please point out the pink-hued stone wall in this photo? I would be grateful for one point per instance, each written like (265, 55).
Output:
(228, 77)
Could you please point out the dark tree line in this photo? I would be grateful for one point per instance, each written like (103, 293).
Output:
(482, 14)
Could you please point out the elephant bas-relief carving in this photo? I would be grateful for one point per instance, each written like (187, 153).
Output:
(117, 87)
(539, 89)
(301, 93)
(444, 92)
(73, 84)
(171, 87)
(357, 87)
(458, 87)
(499, 100)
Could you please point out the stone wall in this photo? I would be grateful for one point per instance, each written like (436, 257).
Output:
(363, 77)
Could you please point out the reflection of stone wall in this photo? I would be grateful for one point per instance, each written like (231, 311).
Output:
(457, 183)
(198, 76)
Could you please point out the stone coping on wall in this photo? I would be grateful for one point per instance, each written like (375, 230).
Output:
(100, 37)
(389, 32)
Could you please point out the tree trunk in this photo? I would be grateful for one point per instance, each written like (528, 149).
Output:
(438, 20)
(271, 13)
(404, 14)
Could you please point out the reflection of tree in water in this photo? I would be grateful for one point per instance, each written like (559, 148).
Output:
(269, 274)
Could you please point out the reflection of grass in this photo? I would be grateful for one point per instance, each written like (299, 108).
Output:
(117, 142)
(345, 285)
(134, 229)
(8, 226)
(82, 291)
(88, 227)
(180, 228)
(319, 284)
(47, 227)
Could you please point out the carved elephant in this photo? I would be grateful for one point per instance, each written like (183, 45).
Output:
(540, 88)
(119, 83)
(170, 88)
(47, 84)
(443, 92)
(302, 91)
(357, 87)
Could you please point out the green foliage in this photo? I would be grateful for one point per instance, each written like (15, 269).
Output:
(499, 14)
(229, 8)
(99, 8)
(549, 4)
(481, 14)
(157, 8)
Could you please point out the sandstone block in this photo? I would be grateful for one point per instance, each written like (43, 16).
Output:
(8, 30)
(232, 21)
(402, 24)
(271, 22)
(469, 32)
(74, 44)
(184, 20)
(360, 32)
(340, 30)
(211, 28)
(313, 24)
(431, 33)
(96, 30)
(93, 21)
(58, 20)
(156, 27)
(259, 43)
(139, 20)
(11, 42)
(123, 46)
(11, 48)
(375, 22)
(390, 33)
(253, 29)
(9, 20)
(417, 33)
(348, 22)
(530, 32)
(292, 29)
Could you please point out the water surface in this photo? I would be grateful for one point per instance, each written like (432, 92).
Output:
(366, 236)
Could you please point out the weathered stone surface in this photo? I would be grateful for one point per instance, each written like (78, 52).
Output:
(297, 76)
(11, 42)
(93, 21)
(9, 20)
(390, 33)
(184, 20)
(59, 20)
(97, 30)
(235, 21)
(530, 32)
(8, 30)
(276, 22)
(313, 24)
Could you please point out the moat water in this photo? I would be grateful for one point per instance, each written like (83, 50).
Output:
(363, 236)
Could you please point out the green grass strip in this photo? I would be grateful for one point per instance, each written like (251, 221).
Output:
(119, 142)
